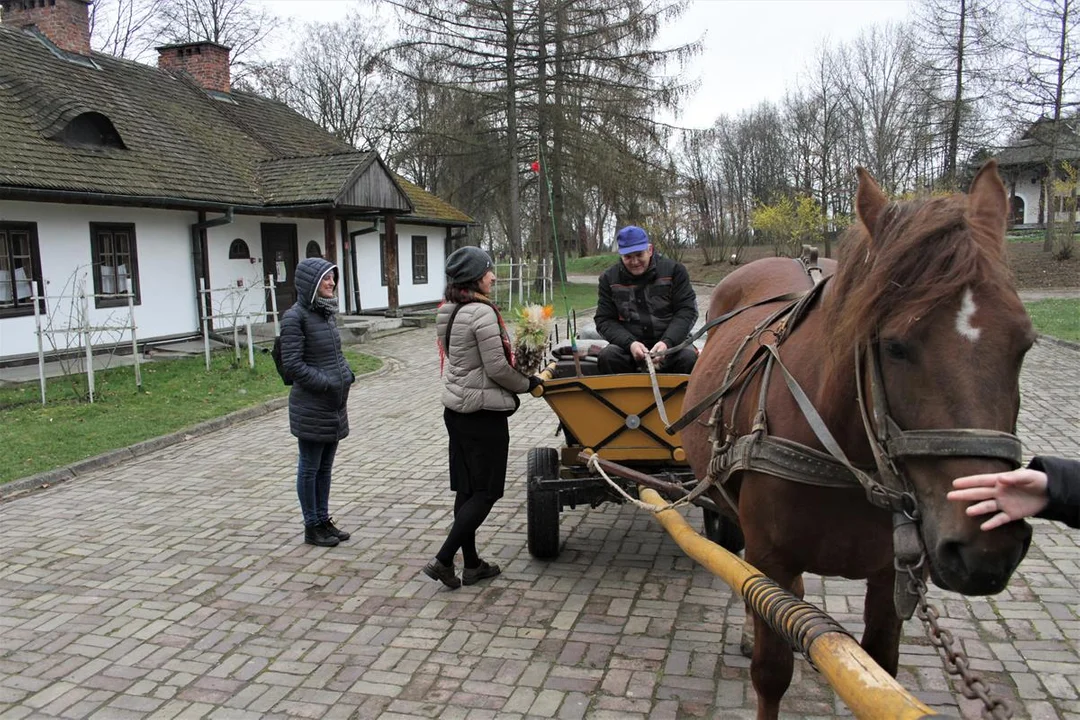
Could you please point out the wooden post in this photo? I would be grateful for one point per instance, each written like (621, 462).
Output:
(330, 238)
(273, 305)
(40, 335)
(134, 339)
(391, 260)
(87, 341)
(345, 276)
(205, 321)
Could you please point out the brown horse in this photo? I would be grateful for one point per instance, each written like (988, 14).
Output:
(923, 288)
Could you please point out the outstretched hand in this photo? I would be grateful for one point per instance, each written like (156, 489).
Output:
(1008, 496)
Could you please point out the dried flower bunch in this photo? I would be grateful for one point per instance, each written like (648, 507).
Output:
(532, 328)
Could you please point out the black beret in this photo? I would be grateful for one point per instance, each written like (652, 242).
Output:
(467, 264)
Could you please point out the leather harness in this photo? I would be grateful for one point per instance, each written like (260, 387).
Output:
(885, 486)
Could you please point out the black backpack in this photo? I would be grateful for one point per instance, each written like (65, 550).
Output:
(275, 353)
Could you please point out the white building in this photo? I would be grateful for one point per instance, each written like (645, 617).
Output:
(118, 176)
(1023, 167)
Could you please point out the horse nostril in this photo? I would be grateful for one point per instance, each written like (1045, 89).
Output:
(980, 568)
(951, 555)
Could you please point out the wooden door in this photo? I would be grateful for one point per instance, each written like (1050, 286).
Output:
(280, 258)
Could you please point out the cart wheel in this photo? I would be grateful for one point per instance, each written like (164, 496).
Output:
(542, 504)
(723, 531)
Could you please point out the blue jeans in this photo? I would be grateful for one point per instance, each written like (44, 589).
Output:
(313, 480)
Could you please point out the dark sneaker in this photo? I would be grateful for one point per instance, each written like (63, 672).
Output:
(335, 531)
(485, 571)
(437, 571)
(319, 535)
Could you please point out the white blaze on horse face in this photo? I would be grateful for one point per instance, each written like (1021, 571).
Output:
(963, 318)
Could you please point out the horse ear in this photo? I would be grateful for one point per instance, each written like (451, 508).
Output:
(988, 202)
(869, 200)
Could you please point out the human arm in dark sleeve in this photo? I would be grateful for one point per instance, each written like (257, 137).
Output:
(1062, 489)
(684, 307)
(293, 343)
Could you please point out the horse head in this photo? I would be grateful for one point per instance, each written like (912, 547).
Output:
(923, 285)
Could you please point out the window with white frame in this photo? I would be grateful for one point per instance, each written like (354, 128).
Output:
(116, 264)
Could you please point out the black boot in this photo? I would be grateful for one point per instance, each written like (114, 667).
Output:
(319, 535)
(335, 530)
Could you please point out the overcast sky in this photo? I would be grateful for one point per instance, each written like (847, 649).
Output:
(753, 49)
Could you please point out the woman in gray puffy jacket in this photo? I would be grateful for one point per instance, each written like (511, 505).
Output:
(311, 355)
(480, 387)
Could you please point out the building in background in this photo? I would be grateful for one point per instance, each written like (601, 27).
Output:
(125, 178)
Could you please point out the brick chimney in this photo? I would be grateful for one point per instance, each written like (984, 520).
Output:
(66, 23)
(205, 61)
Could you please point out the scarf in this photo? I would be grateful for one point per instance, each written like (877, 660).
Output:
(325, 306)
(504, 334)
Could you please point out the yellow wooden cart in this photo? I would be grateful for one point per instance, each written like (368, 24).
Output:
(619, 418)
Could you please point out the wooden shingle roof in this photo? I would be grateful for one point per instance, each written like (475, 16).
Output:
(430, 207)
(1034, 147)
(179, 145)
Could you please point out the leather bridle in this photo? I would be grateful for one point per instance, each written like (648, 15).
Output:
(888, 488)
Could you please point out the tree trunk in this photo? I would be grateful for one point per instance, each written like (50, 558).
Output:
(513, 231)
(953, 140)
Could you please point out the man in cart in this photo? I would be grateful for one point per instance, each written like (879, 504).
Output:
(645, 306)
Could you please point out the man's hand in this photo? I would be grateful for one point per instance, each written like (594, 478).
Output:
(658, 348)
(638, 350)
(1005, 497)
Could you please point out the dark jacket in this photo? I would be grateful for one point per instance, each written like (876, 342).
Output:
(1063, 488)
(659, 304)
(311, 353)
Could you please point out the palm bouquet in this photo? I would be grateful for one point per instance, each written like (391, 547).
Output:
(532, 327)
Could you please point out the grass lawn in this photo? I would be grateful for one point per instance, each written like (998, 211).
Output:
(1058, 317)
(573, 296)
(592, 265)
(176, 394)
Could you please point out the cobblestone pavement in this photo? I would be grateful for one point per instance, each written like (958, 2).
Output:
(177, 585)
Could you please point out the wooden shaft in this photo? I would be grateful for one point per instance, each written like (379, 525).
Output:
(870, 692)
(648, 481)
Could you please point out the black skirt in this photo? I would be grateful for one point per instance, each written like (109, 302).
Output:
(479, 446)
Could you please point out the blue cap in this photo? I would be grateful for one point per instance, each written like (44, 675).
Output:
(632, 239)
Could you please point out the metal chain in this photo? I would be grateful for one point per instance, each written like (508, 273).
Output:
(952, 657)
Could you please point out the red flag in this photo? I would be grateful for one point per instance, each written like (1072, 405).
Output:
(535, 165)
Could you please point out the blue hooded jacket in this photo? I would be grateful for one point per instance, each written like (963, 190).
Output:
(311, 353)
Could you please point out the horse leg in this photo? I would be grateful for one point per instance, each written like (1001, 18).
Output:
(881, 639)
(772, 662)
(746, 642)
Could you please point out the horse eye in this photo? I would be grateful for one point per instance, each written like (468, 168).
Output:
(896, 350)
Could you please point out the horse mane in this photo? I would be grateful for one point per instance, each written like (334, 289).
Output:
(922, 252)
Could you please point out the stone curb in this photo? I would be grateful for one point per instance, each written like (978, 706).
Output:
(48, 478)
(1058, 341)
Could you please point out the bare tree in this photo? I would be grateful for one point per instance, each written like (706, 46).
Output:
(1046, 92)
(706, 192)
(335, 74)
(123, 28)
(960, 45)
(237, 24)
(883, 77)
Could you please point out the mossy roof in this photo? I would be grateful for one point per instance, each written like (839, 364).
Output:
(180, 144)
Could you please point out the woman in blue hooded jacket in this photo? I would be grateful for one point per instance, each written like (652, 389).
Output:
(312, 357)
